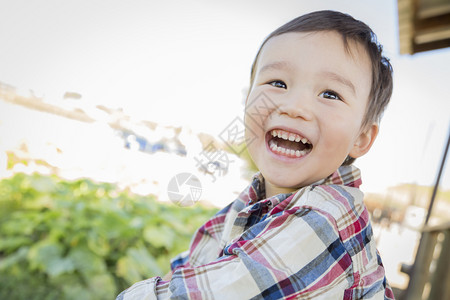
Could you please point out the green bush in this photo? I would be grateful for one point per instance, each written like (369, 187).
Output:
(84, 240)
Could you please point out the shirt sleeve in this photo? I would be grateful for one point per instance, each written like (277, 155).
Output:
(179, 260)
(294, 253)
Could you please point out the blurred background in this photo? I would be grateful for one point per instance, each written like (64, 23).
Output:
(103, 103)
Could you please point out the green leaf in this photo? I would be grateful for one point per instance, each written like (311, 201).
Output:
(19, 223)
(76, 291)
(161, 236)
(87, 262)
(137, 265)
(98, 244)
(59, 266)
(144, 261)
(46, 256)
(127, 270)
(14, 258)
(102, 286)
(41, 254)
(13, 242)
(42, 184)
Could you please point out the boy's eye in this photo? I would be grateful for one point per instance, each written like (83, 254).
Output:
(278, 84)
(330, 95)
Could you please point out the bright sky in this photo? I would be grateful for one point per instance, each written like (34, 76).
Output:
(188, 62)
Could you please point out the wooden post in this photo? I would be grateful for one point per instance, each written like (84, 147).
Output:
(440, 283)
(421, 269)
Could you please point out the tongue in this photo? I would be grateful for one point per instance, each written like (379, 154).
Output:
(290, 145)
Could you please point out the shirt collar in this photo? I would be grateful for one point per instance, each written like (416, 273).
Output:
(345, 175)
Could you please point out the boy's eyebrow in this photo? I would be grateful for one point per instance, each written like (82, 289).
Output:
(276, 65)
(341, 79)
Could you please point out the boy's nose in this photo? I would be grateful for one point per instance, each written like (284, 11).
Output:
(296, 106)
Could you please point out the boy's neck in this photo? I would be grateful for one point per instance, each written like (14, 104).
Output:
(272, 190)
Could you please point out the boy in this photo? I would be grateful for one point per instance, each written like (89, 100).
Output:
(300, 230)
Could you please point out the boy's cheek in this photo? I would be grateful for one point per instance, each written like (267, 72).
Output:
(253, 130)
(260, 105)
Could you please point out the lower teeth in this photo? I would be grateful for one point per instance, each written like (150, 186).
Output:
(291, 152)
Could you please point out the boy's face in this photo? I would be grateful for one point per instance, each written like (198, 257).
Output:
(305, 108)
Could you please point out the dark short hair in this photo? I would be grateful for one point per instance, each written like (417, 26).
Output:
(354, 30)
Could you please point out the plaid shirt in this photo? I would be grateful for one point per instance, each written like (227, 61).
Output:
(316, 243)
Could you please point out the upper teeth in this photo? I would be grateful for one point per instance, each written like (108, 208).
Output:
(289, 136)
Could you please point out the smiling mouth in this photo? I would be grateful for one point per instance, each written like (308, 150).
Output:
(288, 143)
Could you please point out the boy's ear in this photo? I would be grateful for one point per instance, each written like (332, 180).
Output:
(364, 141)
